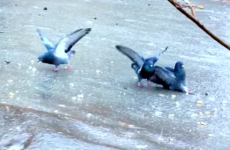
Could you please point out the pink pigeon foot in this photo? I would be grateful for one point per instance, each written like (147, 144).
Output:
(189, 92)
(55, 70)
(68, 67)
(140, 85)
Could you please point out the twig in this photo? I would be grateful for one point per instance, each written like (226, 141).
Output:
(177, 5)
(191, 8)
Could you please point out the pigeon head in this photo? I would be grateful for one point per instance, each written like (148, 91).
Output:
(150, 64)
(47, 57)
(179, 70)
(179, 65)
(41, 58)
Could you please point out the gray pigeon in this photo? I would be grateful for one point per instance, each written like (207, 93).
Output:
(169, 78)
(61, 52)
(144, 68)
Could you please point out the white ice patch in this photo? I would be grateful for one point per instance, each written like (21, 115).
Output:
(173, 96)
(141, 146)
(60, 105)
(171, 116)
(158, 113)
(71, 85)
(89, 22)
(177, 104)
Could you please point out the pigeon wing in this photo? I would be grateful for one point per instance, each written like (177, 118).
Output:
(47, 43)
(170, 69)
(163, 76)
(65, 45)
(131, 54)
(155, 58)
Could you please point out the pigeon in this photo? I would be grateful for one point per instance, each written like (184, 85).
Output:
(61, 52)
(169, 78)
(144, 68)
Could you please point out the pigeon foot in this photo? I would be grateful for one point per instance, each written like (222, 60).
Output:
(189, 92)
(68, 67)
(55, 70)
(139, 85)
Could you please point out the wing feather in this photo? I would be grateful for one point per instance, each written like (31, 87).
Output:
(131, 54)
(65, 45)
(47, 43)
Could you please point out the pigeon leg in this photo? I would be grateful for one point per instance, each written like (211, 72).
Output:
(139, 82)
(189, 92)
(139, 85)
(56, 69)
(68, 66)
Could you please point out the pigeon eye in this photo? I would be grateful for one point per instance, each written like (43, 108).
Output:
(149, 68)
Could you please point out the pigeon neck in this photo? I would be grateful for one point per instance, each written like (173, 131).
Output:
(180, 74)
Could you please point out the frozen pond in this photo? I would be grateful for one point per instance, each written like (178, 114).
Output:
(97, 105)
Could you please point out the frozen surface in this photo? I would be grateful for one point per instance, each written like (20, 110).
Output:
(86, 108)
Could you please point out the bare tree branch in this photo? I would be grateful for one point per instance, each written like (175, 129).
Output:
(179, 7)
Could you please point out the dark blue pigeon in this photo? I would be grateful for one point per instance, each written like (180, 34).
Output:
(61, 52)
(169, 78)
(144, 68)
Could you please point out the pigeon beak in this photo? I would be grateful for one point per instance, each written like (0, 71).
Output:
(38, 61)
(182, 66)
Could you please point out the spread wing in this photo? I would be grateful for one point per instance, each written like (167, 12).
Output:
(47, 43)
(65, 45)
(155, 58)
(131, 54)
